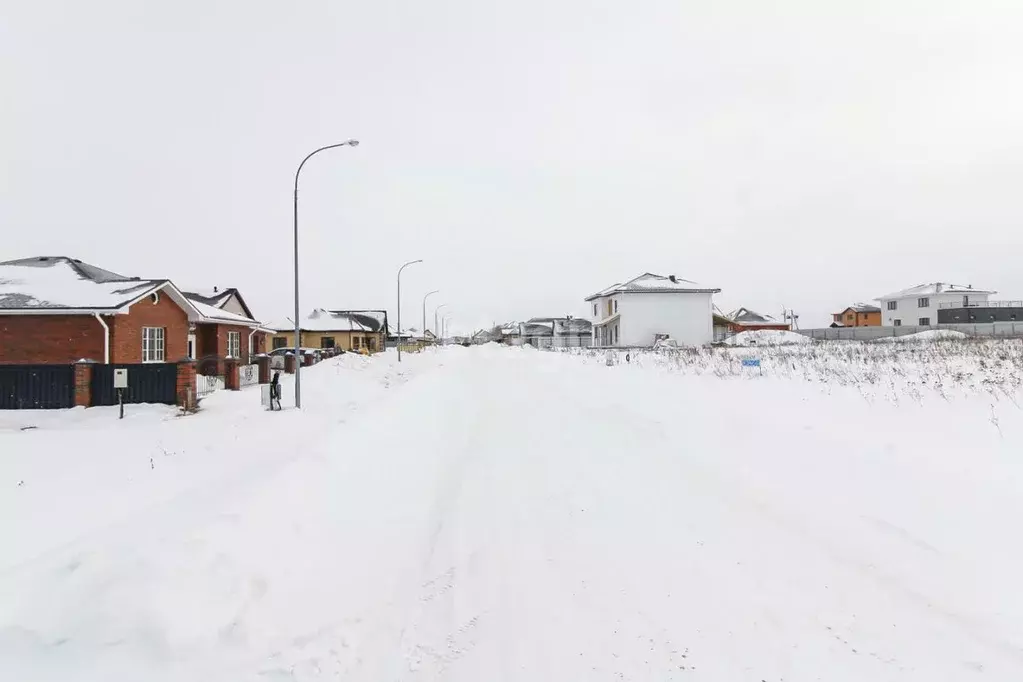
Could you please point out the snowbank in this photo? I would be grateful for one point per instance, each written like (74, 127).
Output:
(929, 335)
(768, 337)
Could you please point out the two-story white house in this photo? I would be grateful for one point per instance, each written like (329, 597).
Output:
(651, 307)
(919, 305)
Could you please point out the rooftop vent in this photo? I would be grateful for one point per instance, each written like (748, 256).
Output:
(673, 279)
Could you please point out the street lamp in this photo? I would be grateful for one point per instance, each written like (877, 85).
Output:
(298, 322)
(411, 262)
(436, 324)
(424, 309)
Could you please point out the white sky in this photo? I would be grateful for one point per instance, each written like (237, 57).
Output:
(804, 153)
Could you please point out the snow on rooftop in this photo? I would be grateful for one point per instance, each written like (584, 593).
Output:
(57, 283)
(649, 282)
(219, 314)
(767, 337)
(935, 288)
(323, 321)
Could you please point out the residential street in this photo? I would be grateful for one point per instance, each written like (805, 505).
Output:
(506, 514)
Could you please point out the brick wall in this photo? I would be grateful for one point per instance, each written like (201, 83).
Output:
(46, 339)
(126, 330)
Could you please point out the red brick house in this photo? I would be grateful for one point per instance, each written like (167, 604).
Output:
(58, 310)
(229, 331)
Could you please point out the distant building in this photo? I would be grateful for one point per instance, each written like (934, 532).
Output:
(744, 319)
(919, 305)
(651, 307)
(556, 332)
(858, 315)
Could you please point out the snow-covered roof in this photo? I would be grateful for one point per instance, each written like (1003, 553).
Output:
(48, 284)
(935, 288)
(649, 283)
(747, 316)
(58, 282)
(220, 315)
(321, 320)
(372, 320)
(862, 308)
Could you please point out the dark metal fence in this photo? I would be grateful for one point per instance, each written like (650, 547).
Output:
(147, 383)
(37, 387)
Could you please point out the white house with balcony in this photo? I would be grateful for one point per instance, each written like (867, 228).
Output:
(919, 305)
(651, 307)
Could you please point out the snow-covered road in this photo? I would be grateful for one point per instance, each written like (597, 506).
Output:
(496, 514)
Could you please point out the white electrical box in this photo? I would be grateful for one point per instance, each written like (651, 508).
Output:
(120, 378)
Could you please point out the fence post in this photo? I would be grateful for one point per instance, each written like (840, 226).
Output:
(185, 385)
(83, 383)
(231, 374)
(289, 363)
(263, 361)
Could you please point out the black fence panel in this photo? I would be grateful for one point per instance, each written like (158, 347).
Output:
(37, 387)
(147, 383)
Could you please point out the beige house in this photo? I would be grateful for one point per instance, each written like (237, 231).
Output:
(322, 328)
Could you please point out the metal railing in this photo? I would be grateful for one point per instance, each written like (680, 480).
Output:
(981, 304)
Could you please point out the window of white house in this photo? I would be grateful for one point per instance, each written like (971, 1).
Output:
(924, 322)
(234, 344)
(594, 309)
(893, 305)
(153, 344)
(616, 306)
(897, 323)
(923, 302)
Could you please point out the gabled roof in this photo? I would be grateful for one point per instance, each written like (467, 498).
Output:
(218, 298)
(321, 320)
(373, 320)
(60, 283)
(935, 288)
(649, 283)
(861, 308)
(747, 316)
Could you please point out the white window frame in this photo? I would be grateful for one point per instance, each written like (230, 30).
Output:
(154, 344)
(923, 302)
(893, 305)
(897, 323)
(924, 322)
(234, 350)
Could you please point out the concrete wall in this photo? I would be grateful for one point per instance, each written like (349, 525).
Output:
(998, 330)
(686, 318)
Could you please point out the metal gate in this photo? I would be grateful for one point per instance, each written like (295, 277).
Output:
(37, 387)
(147, 383)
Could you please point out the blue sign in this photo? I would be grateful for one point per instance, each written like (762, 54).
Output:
(751, 362)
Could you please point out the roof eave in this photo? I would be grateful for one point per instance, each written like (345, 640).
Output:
(120, 310)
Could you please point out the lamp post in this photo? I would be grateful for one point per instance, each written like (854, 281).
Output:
(411, 262)
(436, 323)
(428, 295)
(298, 320)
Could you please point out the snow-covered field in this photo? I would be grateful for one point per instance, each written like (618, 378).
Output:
(842, 512)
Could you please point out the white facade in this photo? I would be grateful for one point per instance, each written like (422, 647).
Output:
(650, 307)
(919, 305)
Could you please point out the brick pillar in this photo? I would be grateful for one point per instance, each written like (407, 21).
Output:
(83, 384)
(308, 359)
(231, 374)
(186, 384)
(263, 361)
(289, 363)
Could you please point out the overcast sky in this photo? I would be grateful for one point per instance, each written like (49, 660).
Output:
(803, 153)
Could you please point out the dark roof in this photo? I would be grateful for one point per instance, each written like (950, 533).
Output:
(373, 320)
(60, 282)
(218, 297)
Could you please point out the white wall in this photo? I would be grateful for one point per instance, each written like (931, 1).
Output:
(687, 318)
(910, 313)
(233, 306)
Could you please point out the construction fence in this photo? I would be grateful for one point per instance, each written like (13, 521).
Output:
(990, 329)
